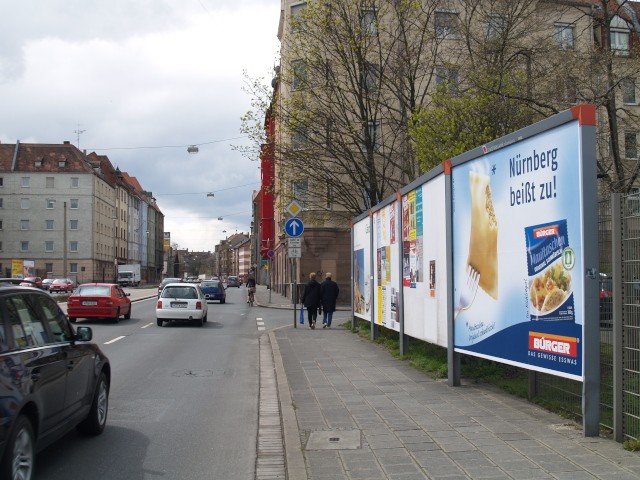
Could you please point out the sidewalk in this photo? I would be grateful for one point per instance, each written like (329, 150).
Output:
(351, 411)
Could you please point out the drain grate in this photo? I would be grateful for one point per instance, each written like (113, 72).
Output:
(334, 440)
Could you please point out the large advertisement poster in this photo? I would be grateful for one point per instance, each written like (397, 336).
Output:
(362, 269)
(424, 277)
(387, 274)
(518, 254)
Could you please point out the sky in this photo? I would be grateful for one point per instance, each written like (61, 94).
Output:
(139, 81)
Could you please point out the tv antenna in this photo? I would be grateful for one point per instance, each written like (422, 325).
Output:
(79, 132)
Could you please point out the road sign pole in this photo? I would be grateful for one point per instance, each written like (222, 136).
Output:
(294, 293)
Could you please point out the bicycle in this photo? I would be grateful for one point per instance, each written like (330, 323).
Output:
(251, 298)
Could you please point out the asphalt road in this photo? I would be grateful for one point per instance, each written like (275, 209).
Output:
(183, 402)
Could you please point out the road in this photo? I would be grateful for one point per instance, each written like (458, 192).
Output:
(183, 402)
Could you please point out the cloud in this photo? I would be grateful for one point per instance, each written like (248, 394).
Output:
(137, 81)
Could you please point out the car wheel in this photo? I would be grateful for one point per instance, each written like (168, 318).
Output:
(19, 455)
(222, 301)
(116, 319)
(199, 322)
(159, 322)
(205, 318)
(72, 319)
(97, 419)
(128, 315)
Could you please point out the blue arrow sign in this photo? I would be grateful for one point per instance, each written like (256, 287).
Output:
(294, 227)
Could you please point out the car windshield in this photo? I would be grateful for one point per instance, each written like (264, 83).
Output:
(59, 281)
(179, 292)
(94, 291)
(210, 284)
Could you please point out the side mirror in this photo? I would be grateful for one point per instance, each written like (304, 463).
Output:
(127, 294)
(84, 334)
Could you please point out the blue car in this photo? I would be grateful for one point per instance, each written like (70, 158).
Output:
(213, 290)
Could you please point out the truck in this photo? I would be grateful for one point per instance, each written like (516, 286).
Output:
(129, 275)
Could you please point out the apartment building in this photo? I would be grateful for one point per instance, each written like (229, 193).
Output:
(351, 94)
(65, 212)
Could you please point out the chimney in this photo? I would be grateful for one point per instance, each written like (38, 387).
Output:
(66, 142)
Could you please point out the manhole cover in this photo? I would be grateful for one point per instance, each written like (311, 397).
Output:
(193, 373)
(334, 440)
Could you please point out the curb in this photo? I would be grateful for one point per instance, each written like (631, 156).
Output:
(295, 465)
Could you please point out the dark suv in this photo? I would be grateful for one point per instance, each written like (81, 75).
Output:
(51, 378)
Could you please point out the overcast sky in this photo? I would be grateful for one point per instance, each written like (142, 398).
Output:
(141, 80)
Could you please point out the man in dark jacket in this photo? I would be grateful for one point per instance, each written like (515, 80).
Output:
(311, 299)
(329, 291)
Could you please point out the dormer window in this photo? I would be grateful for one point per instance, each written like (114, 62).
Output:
(38, 162)
(62, 162)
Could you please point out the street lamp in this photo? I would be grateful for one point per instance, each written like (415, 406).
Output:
(115, 251)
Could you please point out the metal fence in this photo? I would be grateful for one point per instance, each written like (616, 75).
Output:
(619, 245)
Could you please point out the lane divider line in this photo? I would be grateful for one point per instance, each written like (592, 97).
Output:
(147, 325)
(115, 340)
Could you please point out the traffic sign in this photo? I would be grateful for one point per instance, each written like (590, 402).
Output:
(294, 227)
(270, 253)
(294, 252)
(294, 242)
(294, 208)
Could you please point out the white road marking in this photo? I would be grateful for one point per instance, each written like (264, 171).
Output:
(115, 340)
(147, 325)
(260, 328)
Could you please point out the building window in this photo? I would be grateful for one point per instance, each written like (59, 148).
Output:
(48, 246)
(24, 246)
(299, 71)
(38, 162)
(74, 203)
(300, 191)
(563, 35)
(73, 268)
(24, 224)
(496, 26)
(0, 224)
(297, 22)
(368, 22)
(371, 78)
(1, 181)
(619, 36)
(631, 145)
(329, 197)
(372, 135)
(51, 203)
(1, 202)
(26, 182)
(299, 138)
(447, 78)
(73, 246)
(48, 267)
(73, 224)
(446, 24)
(48, 224)
(629, 91)
(62, 163)
(75, 182)
(25, 204)
(50, 182)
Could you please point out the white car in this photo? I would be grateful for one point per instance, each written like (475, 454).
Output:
(181, 302)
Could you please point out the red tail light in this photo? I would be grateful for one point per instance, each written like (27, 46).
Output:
(159, 305)
(198, 305)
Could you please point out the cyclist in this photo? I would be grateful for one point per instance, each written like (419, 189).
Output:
(251, 288)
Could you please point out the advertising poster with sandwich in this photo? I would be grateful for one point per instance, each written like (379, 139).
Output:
(387, 279)
(518, 253)
(362, 269)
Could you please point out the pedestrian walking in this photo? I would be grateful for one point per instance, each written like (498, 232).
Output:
(311, 299)
(329, 294)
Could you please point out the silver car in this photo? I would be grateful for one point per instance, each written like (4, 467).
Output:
(181, 302)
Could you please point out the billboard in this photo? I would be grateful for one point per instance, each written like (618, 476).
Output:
(362, 307)
(387, 266)
(424, 273)
(518, 253)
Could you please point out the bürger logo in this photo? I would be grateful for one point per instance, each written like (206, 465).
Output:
(548, 231)
(561, 345)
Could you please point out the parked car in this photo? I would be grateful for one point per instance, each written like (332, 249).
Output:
(165, 282)
(62, 285)
(32, 282)
(182, 302)
(233, 281)
(99, 300)
(213, 290)
(46, 283)
(51, 379)
(11, 281)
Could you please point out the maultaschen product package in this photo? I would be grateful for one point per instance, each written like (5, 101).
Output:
(549, 262)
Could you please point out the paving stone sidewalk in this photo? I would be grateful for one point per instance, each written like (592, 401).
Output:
(361, 414)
